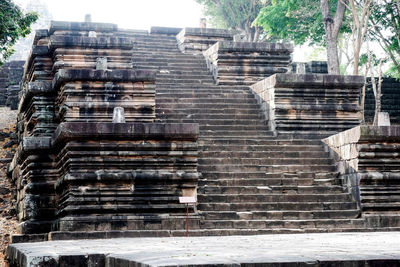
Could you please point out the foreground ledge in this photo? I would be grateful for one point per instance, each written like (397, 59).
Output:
(322, 249)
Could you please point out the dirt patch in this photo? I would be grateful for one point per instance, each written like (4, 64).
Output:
(8, 144)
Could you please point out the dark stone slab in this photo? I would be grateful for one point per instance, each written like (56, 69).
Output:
(90, 42)
(66, 75)
(164, 30)
(81, 26)
(130, 131)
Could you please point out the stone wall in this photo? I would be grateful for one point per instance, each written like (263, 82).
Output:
(246, 62)
(368, 160)
(310, 67)
(312, 105)
(76, 170)
(10, 77)
(390, 101)
(197, 40)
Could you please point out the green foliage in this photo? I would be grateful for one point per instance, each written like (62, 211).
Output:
(13, 25)
(233, 14)
(385, 18)
(296, 20)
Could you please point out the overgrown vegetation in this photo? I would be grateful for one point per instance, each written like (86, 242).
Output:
(13, 25)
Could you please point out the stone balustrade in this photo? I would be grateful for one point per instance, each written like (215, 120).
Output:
(198, 40)
(368, 160)
(312, 105)
(246, 62)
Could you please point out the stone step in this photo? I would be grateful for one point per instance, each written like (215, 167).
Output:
(260, 142)
(221, 122)
(270, 175)
(163, 80)
(266, 168)
(234, 198)
(252, 161)
(281, 215)
(266, 181)
(271, 189)
(197, 95)
(299, 224)
(264, 154)
(222, 147)
(380, 198)
(278, 206)
(203, 105)
(258, 128)
(233, 118)
(379, 207)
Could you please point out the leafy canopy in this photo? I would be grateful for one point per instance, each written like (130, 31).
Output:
(296, 20)
(234, 14)
(13, 25)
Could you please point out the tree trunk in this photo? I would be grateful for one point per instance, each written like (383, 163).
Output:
(332, 27)
(332, 55)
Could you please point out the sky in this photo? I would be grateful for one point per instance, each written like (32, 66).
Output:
(135, 14)
(128, 14)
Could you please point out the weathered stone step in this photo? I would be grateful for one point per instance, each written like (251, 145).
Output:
(183, 94)
(281, 215)
(259, 128)
(264, 154)
(220, 147)
(184, 81)
(270, 175)
(380, 199)
(166, 60)
(266, 168)
(260, 142)
(222, 122)
(234, 198)
(232, 117)
(203, 105)
(252, 161)
(271, 189)
(265, 181)
(277, 206)
(66, 235)
(203, 86)
(384, 206)
(190, 101)
(299, 224)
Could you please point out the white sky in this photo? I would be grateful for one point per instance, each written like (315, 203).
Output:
(128, 14)
(134, 14)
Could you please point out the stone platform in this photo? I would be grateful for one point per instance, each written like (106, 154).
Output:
(334, 249)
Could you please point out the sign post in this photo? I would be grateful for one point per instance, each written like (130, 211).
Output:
(187, 201)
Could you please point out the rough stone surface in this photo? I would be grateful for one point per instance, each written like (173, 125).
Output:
(310, 104)
(247, 62)
(198, 40)
(368, 159)
(345, 249)
(76, 170)
(389, 101)
(10, 77)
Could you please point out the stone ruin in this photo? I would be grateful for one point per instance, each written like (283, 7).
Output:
(10, 77)
(202, 116)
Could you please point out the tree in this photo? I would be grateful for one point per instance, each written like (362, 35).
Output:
(13, 24)
(332, 27)
(235, 14)
(385, 20)
(307, 20)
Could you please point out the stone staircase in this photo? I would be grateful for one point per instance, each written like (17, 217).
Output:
(252, 182)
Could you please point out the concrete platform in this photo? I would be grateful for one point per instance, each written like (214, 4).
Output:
(321, 249)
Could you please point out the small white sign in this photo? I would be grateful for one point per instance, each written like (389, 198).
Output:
(187, 200)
